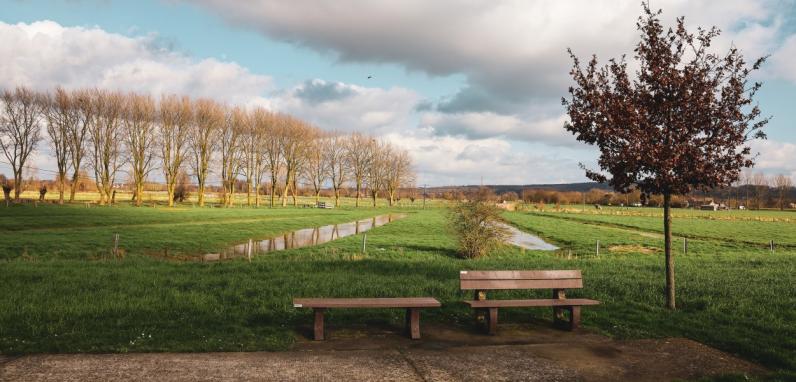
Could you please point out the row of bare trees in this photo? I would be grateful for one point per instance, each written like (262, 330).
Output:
(110, 132)
(760, 190)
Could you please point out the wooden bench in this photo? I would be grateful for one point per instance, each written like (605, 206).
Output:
(481, 281)
(411, 304)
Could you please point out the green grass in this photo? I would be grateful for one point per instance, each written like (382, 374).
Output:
(62, 293)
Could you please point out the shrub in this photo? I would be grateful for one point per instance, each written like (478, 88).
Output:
(477, 227)
(181, 193)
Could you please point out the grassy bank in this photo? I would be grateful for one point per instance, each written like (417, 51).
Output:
(62, 294)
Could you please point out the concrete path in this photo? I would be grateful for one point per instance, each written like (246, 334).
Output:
(518, 353)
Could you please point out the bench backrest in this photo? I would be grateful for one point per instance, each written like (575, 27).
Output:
(492, 280)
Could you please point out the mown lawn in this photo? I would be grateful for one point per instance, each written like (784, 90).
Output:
(63, 293)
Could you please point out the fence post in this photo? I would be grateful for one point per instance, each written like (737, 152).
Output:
(249, 250)
(116, 245)
(364, 241)
(685, 245)
(771, 244)
(598, 248)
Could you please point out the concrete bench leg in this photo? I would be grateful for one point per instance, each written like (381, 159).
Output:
(319, 323)
(413, 323)
(558, 316)
(493, 320)
(574, 317)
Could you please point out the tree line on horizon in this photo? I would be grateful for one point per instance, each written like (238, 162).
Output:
(752, 191)
(108, 132)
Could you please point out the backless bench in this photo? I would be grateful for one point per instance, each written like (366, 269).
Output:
(411, 304)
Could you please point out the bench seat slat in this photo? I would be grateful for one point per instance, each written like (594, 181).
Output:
(522, 275)
(521, 284)
(535, 302)
(400, 302)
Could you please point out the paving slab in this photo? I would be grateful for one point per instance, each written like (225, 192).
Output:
(357, 365)
(531, 352)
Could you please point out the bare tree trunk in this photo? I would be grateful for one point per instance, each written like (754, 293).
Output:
(337, 197)
(667, 232)
(295, 190)
(17, 182)
(73, 186)
(257, 194)
(392, 197)
(201, 192)
(139, 194)
(273, 189)
(61, 187)
(101, 193)
(359, 189)
(287, 187)
(170, 186)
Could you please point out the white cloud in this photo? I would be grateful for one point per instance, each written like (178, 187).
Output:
(775, 157)
(514, 50)
(480, 125)
(447, 160)
(783, 61)
(44, 54)
(346, 107)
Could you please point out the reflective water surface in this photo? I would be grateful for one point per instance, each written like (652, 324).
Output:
(304, 237)
(526, 240)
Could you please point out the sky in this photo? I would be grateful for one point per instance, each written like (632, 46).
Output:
(472, 89)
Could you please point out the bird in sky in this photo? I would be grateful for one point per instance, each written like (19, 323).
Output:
(369, 77)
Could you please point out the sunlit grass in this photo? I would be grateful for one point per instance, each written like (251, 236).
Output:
(63, 293)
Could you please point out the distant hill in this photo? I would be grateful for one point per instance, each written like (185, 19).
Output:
(501, 188)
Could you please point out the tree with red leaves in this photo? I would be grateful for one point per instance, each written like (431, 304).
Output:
(682, 122)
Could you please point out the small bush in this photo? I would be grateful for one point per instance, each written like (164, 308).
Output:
(476, 225)
(181, 193)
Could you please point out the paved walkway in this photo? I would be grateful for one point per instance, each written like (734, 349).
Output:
(518, 353)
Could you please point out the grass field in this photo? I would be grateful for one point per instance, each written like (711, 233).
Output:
(62, 292)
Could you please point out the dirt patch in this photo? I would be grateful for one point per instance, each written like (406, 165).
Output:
(632, 248)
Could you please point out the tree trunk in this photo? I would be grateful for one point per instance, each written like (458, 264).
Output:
(201, 191)
(359, 188)
(375, 195)
(337, 197)
(139, 197)
(248, 193)
(392, 197)
(170, 191)
(273, 190)
(295, 190)
(284, 194)
(257, 194)
(73, 186)
(17, 183)
(61, 187)
(667, 233)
